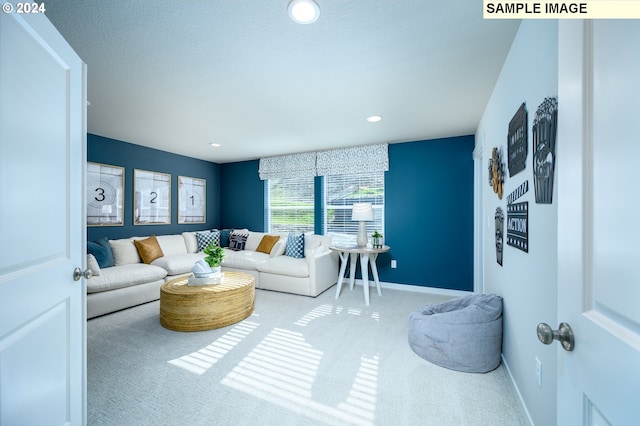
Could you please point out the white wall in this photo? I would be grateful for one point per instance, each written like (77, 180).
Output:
(526, 281)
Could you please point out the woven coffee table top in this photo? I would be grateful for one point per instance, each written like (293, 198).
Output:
(198, 308)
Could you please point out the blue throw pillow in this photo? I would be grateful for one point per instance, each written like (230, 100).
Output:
(295, 246)
(101, 250)
(224, 237)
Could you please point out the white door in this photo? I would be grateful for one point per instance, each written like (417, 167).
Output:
(42, 238)
(598, 233)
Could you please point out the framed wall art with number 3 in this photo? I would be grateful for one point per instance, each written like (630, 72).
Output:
(151, 198)
(105, 195)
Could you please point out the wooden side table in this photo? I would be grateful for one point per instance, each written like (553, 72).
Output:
(198, 308)
(368, 256)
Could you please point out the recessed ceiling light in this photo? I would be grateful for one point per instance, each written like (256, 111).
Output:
(215, 145)
(374, 118)
(304, 11)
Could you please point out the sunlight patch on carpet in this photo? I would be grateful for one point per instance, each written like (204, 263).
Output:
(200, 361)
(329, 309)
(283, 369)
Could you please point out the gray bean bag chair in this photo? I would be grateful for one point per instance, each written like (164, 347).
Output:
(463, 334)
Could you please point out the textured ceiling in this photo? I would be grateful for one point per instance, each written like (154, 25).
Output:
(179, 75)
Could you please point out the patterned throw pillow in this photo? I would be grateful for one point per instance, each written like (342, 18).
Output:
(237, 241)
(207, 237)
(295, 246)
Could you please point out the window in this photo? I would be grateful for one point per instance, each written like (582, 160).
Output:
(341, 192)
(290, 204)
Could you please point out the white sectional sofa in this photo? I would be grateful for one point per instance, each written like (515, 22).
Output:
(132, 282)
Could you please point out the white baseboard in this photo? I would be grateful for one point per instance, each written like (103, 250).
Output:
(514, 386)
(414, 288)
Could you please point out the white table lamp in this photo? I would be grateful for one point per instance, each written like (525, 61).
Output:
(362, 212)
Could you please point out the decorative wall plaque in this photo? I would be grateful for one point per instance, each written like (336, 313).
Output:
(518, 192)
(518, 225)
(496, 172)
(544, 149)
(499, 221)
(105, 195)
(517, 141)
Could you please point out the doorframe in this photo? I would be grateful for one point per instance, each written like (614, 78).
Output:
(478, 229)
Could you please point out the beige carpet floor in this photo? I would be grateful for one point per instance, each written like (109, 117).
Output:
(295, 361)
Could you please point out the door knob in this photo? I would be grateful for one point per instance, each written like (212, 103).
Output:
(77, 274)
(564, 334)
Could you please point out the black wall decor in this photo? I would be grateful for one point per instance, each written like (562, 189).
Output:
(518, 225)
(517, 141)
(544, 149)
(496, 172)
(518, 192)
(499, 221)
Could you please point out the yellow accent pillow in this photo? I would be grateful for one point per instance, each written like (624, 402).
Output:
(148, 249)
(267, 242)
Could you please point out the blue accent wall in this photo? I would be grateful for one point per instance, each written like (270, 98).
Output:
(429, 214)
(428, 210)
(428, 204)
(242, 202)
(131, 156)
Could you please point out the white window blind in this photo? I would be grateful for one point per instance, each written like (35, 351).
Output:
(341, 192)
(290, 204)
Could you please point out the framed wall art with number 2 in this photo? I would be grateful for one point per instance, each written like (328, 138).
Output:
(151, 198)
(105, 195)
(192, 200)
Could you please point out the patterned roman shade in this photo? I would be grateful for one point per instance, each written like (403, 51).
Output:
(288, 166)
(358, 159)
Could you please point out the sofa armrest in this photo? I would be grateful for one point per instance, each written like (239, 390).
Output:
(323, 269)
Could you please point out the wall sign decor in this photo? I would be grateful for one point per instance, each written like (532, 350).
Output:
(518, 225)
(496, 172)
(105, 195)
(192, 200)
(518, 192)
(544, 149)
(152, 198)
(499, 221)
(517, 141)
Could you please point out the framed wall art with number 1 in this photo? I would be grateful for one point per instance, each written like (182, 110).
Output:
(105, 195)
(151, 198)
(192, 200)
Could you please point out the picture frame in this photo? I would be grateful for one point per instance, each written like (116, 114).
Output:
(105, 194)
(192, 200)
(151, 198)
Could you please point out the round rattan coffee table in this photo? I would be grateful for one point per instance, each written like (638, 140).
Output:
(198, 308)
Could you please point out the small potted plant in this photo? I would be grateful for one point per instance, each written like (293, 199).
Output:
(214, 257)
(377, 239)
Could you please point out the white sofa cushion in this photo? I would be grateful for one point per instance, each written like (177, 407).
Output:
(190, 241)
(124, 276)
(285, 265)
(177, 264)
(124, 251)
(244, 259)
(172, 244)
(253, 240)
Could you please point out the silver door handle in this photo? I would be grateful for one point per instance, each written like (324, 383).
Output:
(564, 334)
(77, 274)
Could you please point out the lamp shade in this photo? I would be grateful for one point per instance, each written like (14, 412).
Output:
(362, 211)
